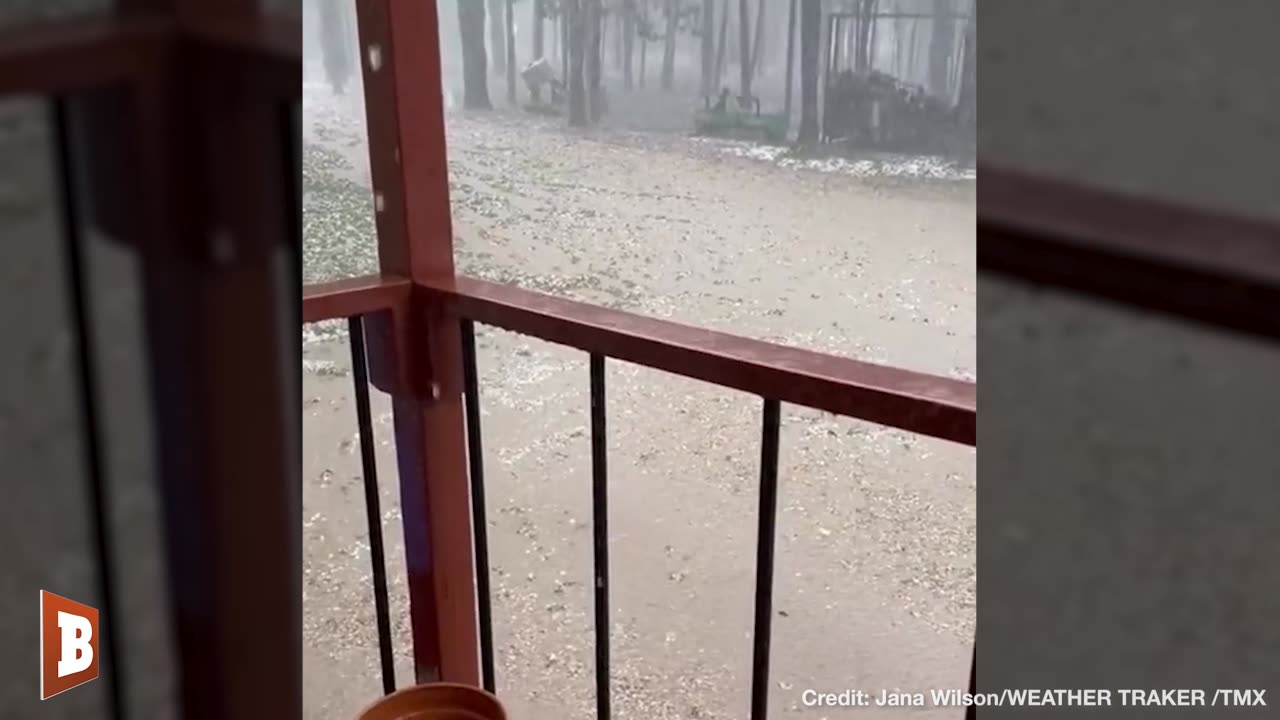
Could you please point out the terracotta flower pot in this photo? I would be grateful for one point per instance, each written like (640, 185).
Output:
(436, 701)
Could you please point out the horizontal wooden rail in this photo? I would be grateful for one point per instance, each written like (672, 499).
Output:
(56, 58)
(1196, 263)
(353, 297)
(259, 52)
(925, 404)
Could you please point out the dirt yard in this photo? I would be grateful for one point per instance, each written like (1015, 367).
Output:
(875, 581)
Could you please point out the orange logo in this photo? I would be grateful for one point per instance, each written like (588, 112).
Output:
(68, 644)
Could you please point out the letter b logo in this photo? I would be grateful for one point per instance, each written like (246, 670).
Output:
(68, 644)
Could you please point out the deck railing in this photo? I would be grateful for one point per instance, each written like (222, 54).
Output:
(925, 404)
(1213, 267)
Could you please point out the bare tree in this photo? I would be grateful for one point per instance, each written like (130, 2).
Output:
(335, 44)
(757, 51)
(644, 50)
(669, 46)
(510, 28)
(539, 16)
(497, 39)
(791, 55)
(810, 42)
(603, 32)
(724, 35)
(595, 58)
(865, 32)
(744, 48)
(968, 105)
(474, 70)
(901, 46)
(628, 41)
(914, 56)
(941, 47)
(708, 46)
(620, 30)
(562, 14)
(576, 17)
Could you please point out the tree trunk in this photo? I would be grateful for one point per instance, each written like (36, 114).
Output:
(732, 54)
(474, 71)
(829, 45)
(913, 55)
(757, 51)
(871, 37)
(577, 58)
(669, 45)
(843, 49)
(968, 106)
(899, 48)
(565, 43)
(708, 46)
(595, 58)
(644, 47)
(510, 27)
(335, 44)
(497, 39)
(862, 42)
(724, 35)
(941, 47)
(537, 49)
(791, 55)
(604, 35)
(744, 49)
(856, 37)
(450, 49)
(539, 13)
(620, 31)
(628, 42)
(810, 42)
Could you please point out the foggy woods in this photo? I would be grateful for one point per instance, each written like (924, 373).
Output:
(871, 72)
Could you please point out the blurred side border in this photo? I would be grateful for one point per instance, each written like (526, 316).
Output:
(178, 126)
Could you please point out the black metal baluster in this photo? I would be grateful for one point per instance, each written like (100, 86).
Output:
(372, 505)
(475, 461)
(764, 560)
(600, 532)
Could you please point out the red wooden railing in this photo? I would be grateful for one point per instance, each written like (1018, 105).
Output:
(1196, 263)
(924, 404)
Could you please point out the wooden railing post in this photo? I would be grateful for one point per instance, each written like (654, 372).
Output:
(415, 354)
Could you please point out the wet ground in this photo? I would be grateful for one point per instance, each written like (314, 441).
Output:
(875, 578)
